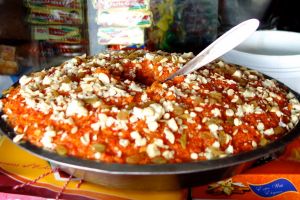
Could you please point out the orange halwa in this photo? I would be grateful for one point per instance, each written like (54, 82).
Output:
(115, 107)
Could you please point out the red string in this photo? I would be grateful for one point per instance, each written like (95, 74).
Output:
(64, 187)
(79, 184)
(35, 180)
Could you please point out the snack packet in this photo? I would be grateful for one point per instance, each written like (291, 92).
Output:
(124, 19)
(121, 4)
(40, 15)
(62, 4)
(121, 36)
(63, 34)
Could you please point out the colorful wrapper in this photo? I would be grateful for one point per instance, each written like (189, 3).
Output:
(41, 15)
(124, 19)
(121, 4)
(63, 34)
(120, 36)
(62, 4)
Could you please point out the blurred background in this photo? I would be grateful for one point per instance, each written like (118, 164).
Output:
(36, 34)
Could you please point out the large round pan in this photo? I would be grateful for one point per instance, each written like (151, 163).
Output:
(156, 176)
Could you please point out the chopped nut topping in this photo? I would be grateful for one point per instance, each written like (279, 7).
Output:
(116, 107)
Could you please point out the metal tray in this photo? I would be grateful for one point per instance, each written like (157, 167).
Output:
(156, 176)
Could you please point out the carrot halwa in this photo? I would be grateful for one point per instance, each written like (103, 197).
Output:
(115, 107)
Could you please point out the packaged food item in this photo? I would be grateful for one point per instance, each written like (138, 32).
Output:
(8, 67)
(120, 35)
(62, 4)
(41, 15)
(121, 21)
(183, 25)
(70, 49)
(40, 32)
(7, 52)
(124, 19)
(163, 18)
(62, 34)
(121, 4)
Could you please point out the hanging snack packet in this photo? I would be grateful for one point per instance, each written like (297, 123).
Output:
(121, 4)
(124, 19)
(121, 36)
(55, 16)
(62, 4)
(62, 34)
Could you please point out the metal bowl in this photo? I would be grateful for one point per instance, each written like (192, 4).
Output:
(156, 176)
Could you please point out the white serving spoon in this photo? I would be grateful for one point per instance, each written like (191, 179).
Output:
(219, 47)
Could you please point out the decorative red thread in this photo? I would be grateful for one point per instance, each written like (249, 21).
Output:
(79, 184)
(35, 180)
(64, 187)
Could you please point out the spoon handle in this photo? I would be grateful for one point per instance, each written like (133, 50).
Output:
(219, 47)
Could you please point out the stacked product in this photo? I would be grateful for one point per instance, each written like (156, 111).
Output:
(122, 22)
(58, 26)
